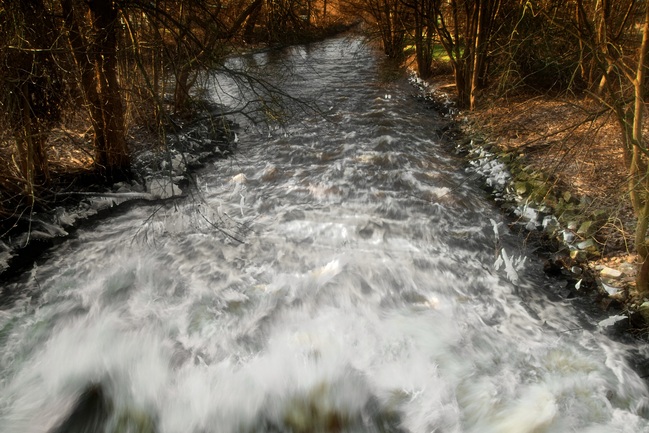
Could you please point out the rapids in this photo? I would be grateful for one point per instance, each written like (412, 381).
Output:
(338, 274)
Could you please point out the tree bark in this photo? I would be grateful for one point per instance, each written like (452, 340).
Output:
(638, 147)
(79, 47)
(423, 37)
(111, 149)
(96, 61)
(477, 53)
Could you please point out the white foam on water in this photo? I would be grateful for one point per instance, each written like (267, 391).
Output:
(328, 296)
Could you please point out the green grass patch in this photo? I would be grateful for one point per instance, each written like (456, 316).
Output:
(440, 54)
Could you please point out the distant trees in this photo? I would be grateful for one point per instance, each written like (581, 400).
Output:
(465, 29)
(508, 42)
(389, 18)
(122, 62)
(596, 48)
(423, 30)
(33, 91)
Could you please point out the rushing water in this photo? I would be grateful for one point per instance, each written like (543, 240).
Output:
(335, 275)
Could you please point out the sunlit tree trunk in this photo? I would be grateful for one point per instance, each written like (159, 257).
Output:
(640, 148)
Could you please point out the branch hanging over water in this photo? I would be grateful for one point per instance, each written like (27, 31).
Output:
(219, 228)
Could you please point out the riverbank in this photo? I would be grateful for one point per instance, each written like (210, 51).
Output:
(162, 168)
(555, 164)
(160, 172)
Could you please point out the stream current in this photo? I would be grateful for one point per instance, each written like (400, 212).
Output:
(341, 274)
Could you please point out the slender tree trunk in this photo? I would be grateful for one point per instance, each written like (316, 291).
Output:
(181, 90)
(423, 40)
(156, 68)
(85, 62)
(643, 215)
(245, 16)
(30, 140)
(251, 22)
(25, 146)
(477, 54)
(459, 72)
(112, 151)
(308, 12)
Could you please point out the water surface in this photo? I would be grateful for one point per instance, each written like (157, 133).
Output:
(337, 275)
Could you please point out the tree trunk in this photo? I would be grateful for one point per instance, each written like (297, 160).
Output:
(181, 90)
(423, 40)
(79, 47)
(31, 140)
(246, 17)
(97, 64)
(477, 54)
(111, 149)
(461, 84)
(25, 147)
(643, 216)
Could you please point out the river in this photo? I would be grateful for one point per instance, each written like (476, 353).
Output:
(341, 273)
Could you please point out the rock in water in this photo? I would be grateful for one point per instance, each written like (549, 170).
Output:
(89, 413)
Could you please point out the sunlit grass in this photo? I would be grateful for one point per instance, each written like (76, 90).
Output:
(439, 52)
